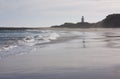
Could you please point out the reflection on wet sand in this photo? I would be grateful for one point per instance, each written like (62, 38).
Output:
(112, 40)
(107, 39)
(83, 40)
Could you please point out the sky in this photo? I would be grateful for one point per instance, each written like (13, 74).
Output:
(45, 13)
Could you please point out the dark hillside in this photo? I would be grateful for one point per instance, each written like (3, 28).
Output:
(111, 21)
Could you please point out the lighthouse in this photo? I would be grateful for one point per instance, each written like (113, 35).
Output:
(82, 19)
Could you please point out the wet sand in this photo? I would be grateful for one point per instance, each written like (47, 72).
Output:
(95, 55)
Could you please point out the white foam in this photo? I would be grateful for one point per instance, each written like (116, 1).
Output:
(53, 36)
(29, 39)
(39, 38)
(9, 47)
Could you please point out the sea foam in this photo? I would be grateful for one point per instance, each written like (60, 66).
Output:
(38, 38)
(24, 41)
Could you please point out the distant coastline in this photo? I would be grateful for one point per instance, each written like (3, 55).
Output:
(22, 28)
(111, 21)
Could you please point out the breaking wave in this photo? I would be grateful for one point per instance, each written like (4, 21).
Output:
(14, 42)
(38, 39)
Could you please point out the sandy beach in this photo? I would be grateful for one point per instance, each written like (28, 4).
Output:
(92, 54)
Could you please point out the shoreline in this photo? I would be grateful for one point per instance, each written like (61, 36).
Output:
(67, 29)
(74, 59)
(47, 28)
(87, 29)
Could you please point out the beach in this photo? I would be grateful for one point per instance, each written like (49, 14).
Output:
(68, 54)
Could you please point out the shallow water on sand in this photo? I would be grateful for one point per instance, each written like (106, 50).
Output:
(76, 55)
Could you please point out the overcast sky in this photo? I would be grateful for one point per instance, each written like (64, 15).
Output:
(54, 12)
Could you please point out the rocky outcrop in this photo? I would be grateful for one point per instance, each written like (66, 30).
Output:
(111, 21)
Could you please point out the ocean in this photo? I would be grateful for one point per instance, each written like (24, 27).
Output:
(14, 42)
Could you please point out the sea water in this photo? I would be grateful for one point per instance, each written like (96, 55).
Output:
(14, 42)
